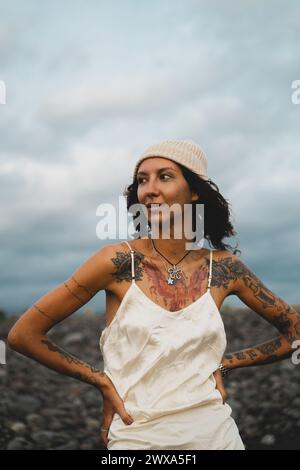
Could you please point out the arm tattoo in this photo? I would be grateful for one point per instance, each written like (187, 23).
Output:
(122, 261)
(272, 308)
(83, 287)
(227, 269)
(42, 312)
(222, 272)
(82, 302)
(265, 353)
(73, 293)
(270, 347)
(240, 355)
(251, 353)
(90, 375)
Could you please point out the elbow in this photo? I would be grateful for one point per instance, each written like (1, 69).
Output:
(13, 339)
(21, 338)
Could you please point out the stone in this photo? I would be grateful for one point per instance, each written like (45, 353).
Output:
(268, 440)
(19, 443)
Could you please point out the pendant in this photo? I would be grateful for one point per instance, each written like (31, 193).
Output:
(174, 274)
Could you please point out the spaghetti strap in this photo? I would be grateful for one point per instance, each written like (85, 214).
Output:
(210, 271)
(132, 262)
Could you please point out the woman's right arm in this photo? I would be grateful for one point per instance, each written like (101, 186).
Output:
(28, 335)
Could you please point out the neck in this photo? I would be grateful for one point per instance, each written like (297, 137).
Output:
(171, 248)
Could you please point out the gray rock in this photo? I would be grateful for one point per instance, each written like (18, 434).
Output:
(25, 404)
(18, 427)
(34, 419)
(71, 445)
(74, 338)
(50, 412)
(56, 425)
(92, 424)
(19, 443)
(85, 446)
(268, 440)
(43, 437)
(49, 439)
(296, 402)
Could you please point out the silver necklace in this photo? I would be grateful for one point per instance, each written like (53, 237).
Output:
(174, 273)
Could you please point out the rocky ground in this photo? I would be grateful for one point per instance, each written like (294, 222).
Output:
(41, 409)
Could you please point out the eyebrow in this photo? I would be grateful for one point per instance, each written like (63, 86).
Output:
(159, 171)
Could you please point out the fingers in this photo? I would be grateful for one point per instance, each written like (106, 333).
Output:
(106, 422)
(224, 395)
(107, 418)
(220, 385)
(104, 437)
(113, 403)
(126, 417)
(122, 412)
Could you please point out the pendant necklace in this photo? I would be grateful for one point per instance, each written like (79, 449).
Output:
(174, 272)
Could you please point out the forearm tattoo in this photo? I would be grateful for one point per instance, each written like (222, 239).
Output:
(265, 353)
(90, 375)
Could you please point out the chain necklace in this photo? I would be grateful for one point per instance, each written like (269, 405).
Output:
(174, 272)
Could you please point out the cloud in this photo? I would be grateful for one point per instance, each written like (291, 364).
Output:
(88, 89)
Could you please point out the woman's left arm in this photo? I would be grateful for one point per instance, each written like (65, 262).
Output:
(273, 309)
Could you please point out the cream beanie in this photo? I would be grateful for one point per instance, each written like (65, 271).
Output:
(185, 152)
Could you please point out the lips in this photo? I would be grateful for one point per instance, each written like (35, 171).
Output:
(153, 204)
(154, 207)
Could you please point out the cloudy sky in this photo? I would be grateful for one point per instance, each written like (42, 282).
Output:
(90, 85)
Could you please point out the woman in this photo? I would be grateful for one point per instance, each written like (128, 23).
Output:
(164, 343)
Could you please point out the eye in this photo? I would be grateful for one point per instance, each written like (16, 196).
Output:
(141, 178)
(165, 174)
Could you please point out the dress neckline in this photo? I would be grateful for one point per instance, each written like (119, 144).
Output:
(176, 314)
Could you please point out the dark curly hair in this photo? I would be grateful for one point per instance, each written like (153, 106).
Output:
(217, 209)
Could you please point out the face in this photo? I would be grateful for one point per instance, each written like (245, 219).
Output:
(161, 181)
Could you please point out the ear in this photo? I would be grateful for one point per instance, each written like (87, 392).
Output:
(195, 197)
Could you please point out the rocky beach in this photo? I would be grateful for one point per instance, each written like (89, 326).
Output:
(42, 409)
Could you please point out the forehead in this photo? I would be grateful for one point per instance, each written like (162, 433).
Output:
(156, 163)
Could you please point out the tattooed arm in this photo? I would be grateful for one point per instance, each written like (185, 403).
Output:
(28, 335)
(269, 306)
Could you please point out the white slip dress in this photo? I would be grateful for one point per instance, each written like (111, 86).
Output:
(162, 366)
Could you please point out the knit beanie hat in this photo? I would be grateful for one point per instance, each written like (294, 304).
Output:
(185, 152)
